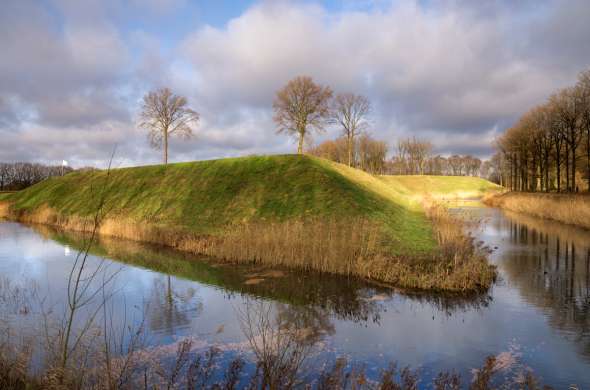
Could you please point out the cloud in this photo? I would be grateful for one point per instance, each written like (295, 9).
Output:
(73, 74)
(446, 68)
(62, 79)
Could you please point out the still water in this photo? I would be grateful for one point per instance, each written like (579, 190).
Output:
(537, 315)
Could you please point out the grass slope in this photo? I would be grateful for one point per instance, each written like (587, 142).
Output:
(207, 196)
(461, 187)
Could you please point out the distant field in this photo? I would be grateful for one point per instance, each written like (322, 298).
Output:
(442, 187)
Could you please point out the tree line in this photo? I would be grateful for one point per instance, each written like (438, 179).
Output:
(548, 149)
(19, 175)
(366, 152)
(412, 157)
(302, 107)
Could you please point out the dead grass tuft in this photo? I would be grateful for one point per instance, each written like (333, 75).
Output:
(4, 210)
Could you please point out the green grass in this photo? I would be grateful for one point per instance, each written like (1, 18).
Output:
(208, 196)
(292, 211)
(442, 186)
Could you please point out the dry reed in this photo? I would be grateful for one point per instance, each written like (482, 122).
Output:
(203, 370)
(458, 265)
(573, 209)
(4, 209)
(352, 246)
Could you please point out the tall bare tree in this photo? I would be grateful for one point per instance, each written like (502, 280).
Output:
(548, 137)
(568, 108)
(371, 154)
(584, 93)
(300, 106)
(350, 111)
(164, 114)
(413, 154)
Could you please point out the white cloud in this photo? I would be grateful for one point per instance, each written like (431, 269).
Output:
(444, 68)
(450, 70)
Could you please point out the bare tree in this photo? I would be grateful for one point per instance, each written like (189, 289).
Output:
(419, 152)
(350, 111)
(546, 138)
(20, 175)
(4, 175)
(335, 150)
(300, 106)
(371, 154)
(456, 165)
(413, 154)
(164, 114)
(281, 345)
(583, 87)
(568, 108)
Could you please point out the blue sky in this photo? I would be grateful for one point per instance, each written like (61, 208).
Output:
(456, 72)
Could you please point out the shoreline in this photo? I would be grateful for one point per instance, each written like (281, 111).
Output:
(570, 209)
(122, 250)
(370, 263)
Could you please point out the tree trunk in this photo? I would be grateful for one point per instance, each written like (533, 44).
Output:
(573, 168)
(512, 174)
(558, 165)
(567, 168)
(588, 156)
(300, 145)
(350, 151)
(165, 146)
(546, 172)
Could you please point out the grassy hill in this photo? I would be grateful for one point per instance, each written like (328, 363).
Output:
(288, 210)
(207, 196)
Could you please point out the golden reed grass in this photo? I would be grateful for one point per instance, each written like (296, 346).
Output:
(351, 247)
(4, 210)
(458, 264)
(573, 209)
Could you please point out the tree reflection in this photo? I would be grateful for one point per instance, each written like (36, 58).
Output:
(169, 308)
(345, 298)
(553, 273)
(282, 338)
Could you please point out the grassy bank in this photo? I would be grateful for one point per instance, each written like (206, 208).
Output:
(572, 209)
(293, 211)
(442, 187)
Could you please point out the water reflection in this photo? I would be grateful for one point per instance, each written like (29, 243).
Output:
(350, 299)
(549, 263)
(170, 308)
(539, 307)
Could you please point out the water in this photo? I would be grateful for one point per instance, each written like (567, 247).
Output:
(537, 316)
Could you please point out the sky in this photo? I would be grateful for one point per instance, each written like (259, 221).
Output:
(455, 72)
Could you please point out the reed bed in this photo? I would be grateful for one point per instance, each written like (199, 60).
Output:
(325, 245)
(186, 368)
(458, 265)
(572, 209)
(350, 246)
(277, 354)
